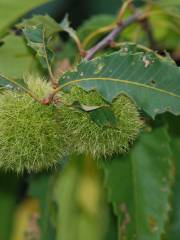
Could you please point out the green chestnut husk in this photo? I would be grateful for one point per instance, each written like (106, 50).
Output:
(34, 136)
(86, 137)
(30, 137)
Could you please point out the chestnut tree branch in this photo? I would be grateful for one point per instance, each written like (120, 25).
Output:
(138, 16)
(123, 10)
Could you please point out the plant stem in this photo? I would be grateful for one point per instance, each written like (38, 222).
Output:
(111, 36)
(147, 28)
(123, 10)
(109, 27)
(52, 79)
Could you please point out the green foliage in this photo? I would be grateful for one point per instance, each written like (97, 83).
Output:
(99, 140)
(87, 28)
(83, 212)
(93, 24)
(101, 115)
(37, 40)
(174, 130)
(11, 10)
(49, 24)
(143, 77)
(30, 135)
(166, 24)
(8, 83)
(174, 231)
(144, 177)
(65, 26)
(15, 58)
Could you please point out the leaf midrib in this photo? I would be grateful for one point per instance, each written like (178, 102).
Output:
(121, 81)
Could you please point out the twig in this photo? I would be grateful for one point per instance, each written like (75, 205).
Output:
(123, 10)
(110, 27)
(52, 80)
(147, 28)
(99, 31)
(146, 24)
(111, 36)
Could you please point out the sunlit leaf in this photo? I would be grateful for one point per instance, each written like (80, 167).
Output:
(11, 10)
(16, 59)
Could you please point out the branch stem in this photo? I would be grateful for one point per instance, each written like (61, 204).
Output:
(111, 36)
(147, 28)
(123, 10)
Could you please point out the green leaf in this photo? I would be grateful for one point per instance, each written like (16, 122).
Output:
(174, 129)
(11, 11)
(139, 187)
(151, 81)
(16, 60)
(83, 107)
(49, 23)
(37, 40)
(165, 23)
(174, 231)
(8, 83)
(101, 115)
(65, 26)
